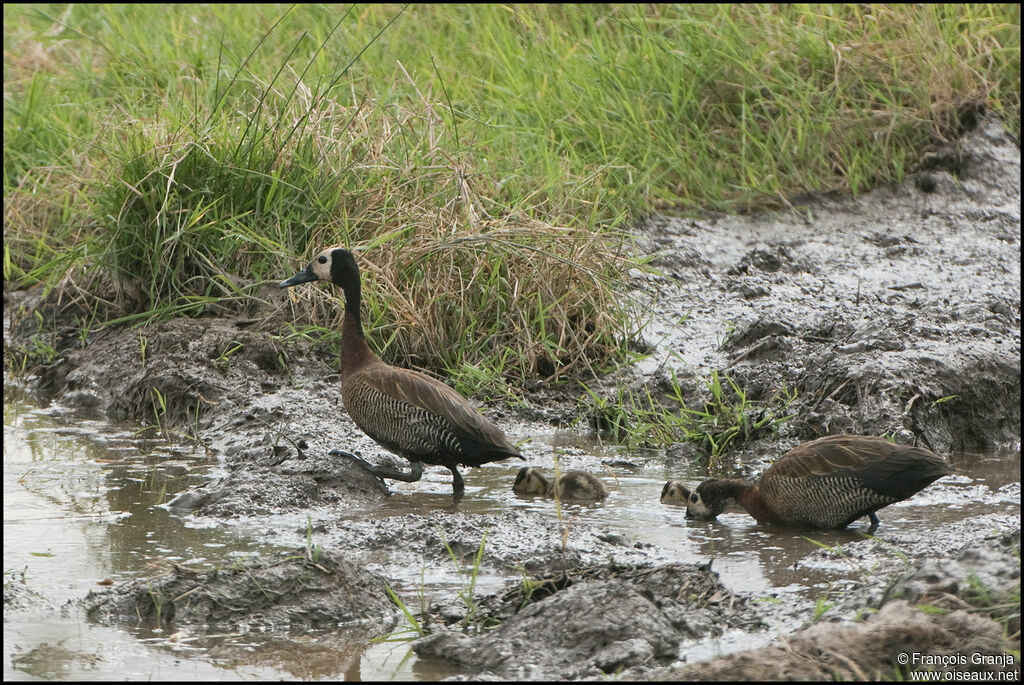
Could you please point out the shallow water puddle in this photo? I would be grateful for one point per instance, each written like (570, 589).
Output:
(81, 508)
(80, 511)
(749, 558)
(765, 563)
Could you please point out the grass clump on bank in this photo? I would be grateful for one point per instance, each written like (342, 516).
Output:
(726, 419)
(482, 159)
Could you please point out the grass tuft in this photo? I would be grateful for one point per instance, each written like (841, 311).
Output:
(727, 418)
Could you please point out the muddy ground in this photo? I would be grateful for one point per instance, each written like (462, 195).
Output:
(897, 312)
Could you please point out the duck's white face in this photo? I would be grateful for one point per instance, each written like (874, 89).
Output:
(706, 500)
(317, 270)
(696, 508)
(675, 492)
(321, 265)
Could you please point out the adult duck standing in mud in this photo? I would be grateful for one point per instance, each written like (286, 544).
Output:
(826, 483)
(405, 412)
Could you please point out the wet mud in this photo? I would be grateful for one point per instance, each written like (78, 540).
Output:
(594, 621)
(897, 313)
(305, 589)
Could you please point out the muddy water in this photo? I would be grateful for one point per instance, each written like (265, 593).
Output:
(82, 508)
(81, 511)
(78, 512)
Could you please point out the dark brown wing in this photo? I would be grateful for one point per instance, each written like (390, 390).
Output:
(413, 411)
(891, 470)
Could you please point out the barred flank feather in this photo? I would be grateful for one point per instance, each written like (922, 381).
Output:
(404, 411)
(826, 483)
(417, 417)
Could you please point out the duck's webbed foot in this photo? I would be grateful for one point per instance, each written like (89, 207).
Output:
(382, 472)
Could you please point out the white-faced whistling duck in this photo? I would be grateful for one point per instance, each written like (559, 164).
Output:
(826, 483)
(577, 486)
(404, 411)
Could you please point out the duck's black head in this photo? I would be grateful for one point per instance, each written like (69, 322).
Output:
(705, 501)
(334, 264)
(709, 499)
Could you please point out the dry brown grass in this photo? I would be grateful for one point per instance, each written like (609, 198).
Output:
(450, 283)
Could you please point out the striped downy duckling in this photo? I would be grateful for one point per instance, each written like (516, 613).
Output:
(578, 486)
(826, 483)
(675, 492)
(406, 412)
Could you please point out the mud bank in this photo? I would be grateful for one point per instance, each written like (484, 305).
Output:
(300, 590)
(897, 312)
(633, 617)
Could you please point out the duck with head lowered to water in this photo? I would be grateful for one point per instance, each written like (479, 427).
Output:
(826, 483)
(406, 412)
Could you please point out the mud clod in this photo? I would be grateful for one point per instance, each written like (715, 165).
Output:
(595, 621)
(774, 258)
(270, 485)
(290, 592)
(868, 651)
(988, 568)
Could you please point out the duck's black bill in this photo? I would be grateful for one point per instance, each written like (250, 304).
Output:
(304, 276)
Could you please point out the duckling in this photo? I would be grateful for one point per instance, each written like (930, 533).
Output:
(577, 486)
(530, 481)
(675, 492)
(406, 412)
(826, 483)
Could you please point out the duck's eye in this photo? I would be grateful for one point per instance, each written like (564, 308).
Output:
(695, 498)
(322, 259)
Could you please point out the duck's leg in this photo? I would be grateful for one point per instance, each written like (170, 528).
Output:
(458, 485)
(874, 521)
(382, 471)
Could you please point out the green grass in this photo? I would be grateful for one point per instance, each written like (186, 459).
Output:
(1001, 606)
(483, 159)
(822, 606)
(467, 593)
(726, 419)
(471, 622)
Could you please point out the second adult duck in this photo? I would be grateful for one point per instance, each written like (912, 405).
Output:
(404, 411)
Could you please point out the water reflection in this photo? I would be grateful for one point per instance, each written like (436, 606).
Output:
(80, 511)
(312, 655)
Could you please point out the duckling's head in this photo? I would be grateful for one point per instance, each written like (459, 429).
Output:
(675, 492)
(530, 481)
(334, 264)
(705, 501)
